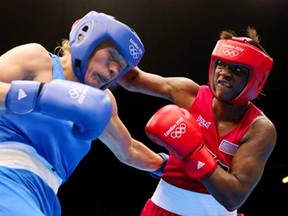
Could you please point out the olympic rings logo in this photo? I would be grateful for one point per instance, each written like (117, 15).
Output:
(75, 91)
(177, 133)
(230, 52)
(134, 52)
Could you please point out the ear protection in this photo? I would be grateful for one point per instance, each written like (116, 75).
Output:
(94, 28)
(238, 50)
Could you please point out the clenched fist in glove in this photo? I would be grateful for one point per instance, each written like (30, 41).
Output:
(88, 108)
(175, 129)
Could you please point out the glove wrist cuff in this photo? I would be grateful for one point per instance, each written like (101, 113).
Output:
(22, 96)
(200, 164)
(157, 173)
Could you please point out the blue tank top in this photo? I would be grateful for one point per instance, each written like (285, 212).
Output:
(50, 137)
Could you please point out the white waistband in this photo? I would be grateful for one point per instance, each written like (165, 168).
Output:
(21, 156)
(187, 203)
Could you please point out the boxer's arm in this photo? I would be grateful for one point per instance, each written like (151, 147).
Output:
(128, 150)
(158, 173)
(174, 89)
(232, 188)
(24, 62)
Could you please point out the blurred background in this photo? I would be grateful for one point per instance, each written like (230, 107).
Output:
(179, 37)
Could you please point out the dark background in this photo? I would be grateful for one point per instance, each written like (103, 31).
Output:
(179, 37)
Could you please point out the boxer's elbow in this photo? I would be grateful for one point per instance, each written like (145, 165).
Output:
(233, 204)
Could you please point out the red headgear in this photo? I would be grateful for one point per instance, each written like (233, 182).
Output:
(239, 51)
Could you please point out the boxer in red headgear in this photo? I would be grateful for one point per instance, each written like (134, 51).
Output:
(218, 140)
(238, 52)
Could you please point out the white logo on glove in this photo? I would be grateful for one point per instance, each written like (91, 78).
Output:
(177, 133)
(200, 164)
(21, 94)
(78, 93)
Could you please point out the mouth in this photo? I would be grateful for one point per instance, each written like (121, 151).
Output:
(224, 83)
(102, 79)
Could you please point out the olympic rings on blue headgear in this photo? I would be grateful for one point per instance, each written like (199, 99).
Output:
(95, 28)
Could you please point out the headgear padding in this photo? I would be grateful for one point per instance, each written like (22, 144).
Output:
(95, 28)
(239, 51)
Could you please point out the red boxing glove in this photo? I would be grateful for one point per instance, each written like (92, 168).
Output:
(175, 129)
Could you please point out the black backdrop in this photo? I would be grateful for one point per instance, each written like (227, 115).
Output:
(179, 37)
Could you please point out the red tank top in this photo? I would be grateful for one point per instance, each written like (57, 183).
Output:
(222, 148)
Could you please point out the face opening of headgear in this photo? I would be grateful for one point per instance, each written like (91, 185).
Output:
(239, 51)
(94, 28)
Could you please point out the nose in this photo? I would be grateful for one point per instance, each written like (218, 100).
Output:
(226, 73)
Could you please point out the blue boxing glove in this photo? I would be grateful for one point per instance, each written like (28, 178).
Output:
(158, 173)
(89, 108)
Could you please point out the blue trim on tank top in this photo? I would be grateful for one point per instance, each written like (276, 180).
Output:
(58, 72)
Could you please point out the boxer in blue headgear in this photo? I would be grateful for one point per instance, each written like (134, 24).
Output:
(49, 119)
(95, 28)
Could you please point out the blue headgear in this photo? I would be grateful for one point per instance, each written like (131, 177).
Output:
(95, 28)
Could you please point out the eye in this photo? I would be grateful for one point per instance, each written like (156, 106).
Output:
(220, 64)
(241, 69)
(238, 69)
(235, 68)
(112, 73)
(114, 68)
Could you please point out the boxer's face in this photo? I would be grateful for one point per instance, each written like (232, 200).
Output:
(230, 80)
(104, 65)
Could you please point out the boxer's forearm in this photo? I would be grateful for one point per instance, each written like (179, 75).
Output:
(128, 150)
